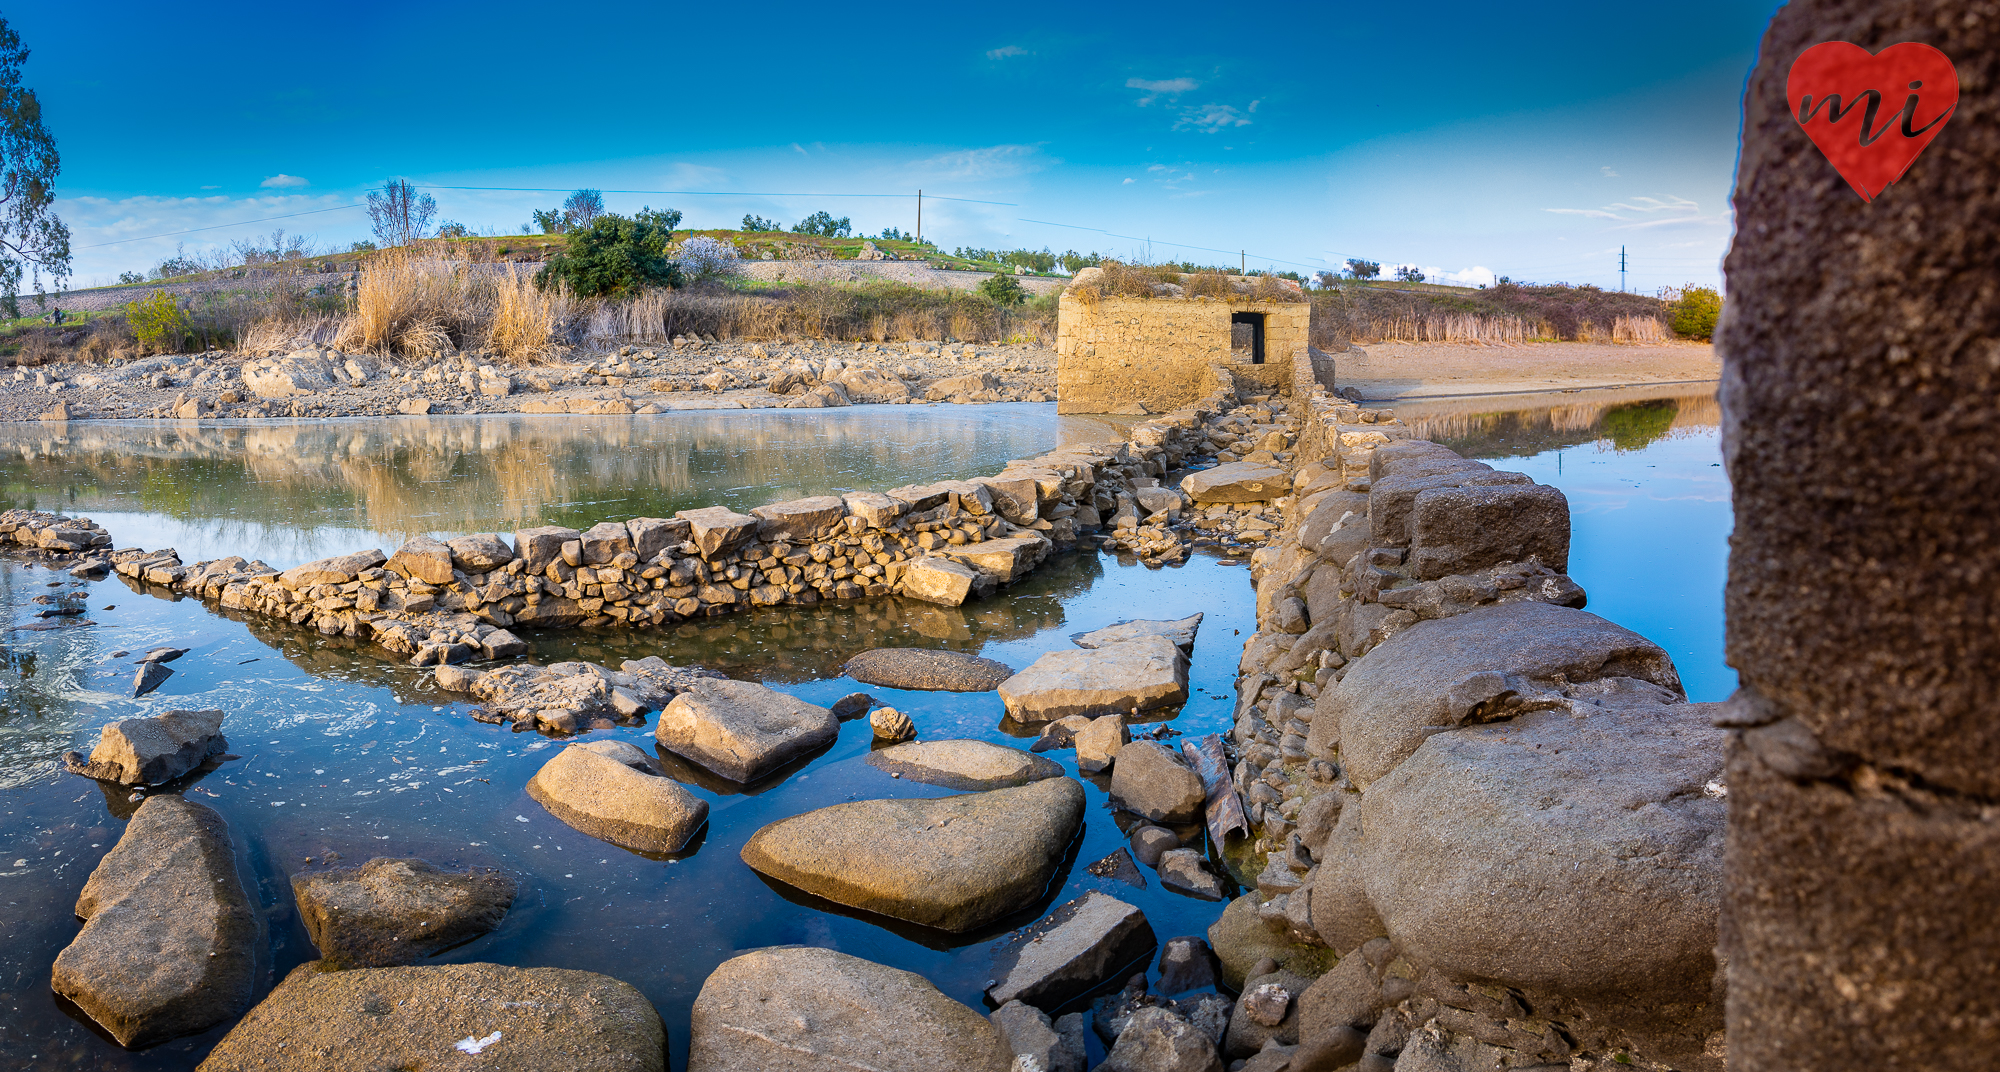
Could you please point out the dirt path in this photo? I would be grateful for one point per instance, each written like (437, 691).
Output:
(1398, 370)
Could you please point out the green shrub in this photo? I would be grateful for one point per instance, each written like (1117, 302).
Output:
(612, 256)
(1003, 290)
(1694, 315)
(158, 322)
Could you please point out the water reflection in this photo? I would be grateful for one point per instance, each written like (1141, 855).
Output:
(292, 491)
(1523, 425)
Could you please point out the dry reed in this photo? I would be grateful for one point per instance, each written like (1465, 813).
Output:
(416, 302)
(527, 322)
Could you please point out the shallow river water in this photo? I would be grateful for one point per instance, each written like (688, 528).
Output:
(347, 755)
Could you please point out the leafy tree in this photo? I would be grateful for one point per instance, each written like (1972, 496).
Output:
(1361, 269)
(1408, 274)
(549, 220)
(453, 229)
(178, 264)
(1003, 290)
(613, 256)
(363, 246)
(1326, 280)
(895, 234)
(1043, 261)
(665, 219)
(399, 214)
(824, 225)
(127, 278)
(32, 238)
(759, 223)
(1695, 314)
(1074, 262)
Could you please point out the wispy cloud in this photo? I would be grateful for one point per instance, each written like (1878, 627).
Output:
(1646, 213)
(281, 181)
(992, 162)
(1005, 52)
(1153, 89)
(1210, 118)
(1608, 173)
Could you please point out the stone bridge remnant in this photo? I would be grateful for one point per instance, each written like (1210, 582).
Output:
(1864, 846)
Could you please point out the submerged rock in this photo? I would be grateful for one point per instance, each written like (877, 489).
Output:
(973, 765)
(617, 793)
(1186, 871)
(742, 730)
(954, 863)
(927, 670)
(169, 946)
(1070, 951)
(446, 1016)
(890, 724)
(795, 1008)
(152, 749)
(389, 911)
(570, 696)
(1141, 674)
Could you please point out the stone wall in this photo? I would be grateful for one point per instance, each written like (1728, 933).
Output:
(1156, 351)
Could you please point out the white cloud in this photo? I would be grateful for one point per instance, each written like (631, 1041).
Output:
(110, 236)
(1155, 89)
(992, 162)
(280, 181)
(1005, 52)
(1475, 276)
(1647, 213)
(1597, 213)
(1608, 173)
(1128, 182)
(1210, 118)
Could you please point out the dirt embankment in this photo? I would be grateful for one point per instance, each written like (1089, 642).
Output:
(1398, 370)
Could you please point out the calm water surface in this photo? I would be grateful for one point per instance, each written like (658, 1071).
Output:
(347, 754)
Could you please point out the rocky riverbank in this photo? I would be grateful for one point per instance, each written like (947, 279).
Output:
(692, 373)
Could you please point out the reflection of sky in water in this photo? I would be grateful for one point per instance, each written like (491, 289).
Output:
(1649, 541)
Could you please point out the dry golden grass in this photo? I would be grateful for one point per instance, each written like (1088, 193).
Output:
(417, 302)
(526, 320)
(1639, 329)
(1447, 327)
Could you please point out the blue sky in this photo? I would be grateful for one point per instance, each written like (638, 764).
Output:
(1522, 140)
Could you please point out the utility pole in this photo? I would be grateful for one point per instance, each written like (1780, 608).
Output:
(1242, 262)
(920, 217)
(1621, 269)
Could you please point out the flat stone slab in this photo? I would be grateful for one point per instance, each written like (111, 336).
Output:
(388, 911)
(615, 792)
(1070, 951)
(797, 1009)
(169, 948)
(976, 765)
(927, 670)
(740, 729)
(1141, 674)
(339, 569)
(953, 863)
(449, 1016)
(944, 581)
(715, 529)
(1237, 482)
(1180, 632)
(152, 749)
(1004, 560)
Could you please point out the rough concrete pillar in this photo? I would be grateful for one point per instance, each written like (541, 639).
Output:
(1861, 393)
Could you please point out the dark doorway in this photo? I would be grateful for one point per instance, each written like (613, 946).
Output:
(1254, 322)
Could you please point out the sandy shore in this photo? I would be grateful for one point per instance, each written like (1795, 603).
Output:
(1398, 370)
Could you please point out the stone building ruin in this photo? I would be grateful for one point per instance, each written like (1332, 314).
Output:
(1115, 350)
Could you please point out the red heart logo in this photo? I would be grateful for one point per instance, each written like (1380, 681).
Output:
(1838, 92)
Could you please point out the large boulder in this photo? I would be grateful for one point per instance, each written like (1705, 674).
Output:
(447, 1016)
(603, 542)
(867, 385)
(389, 911)
(339, 569)
(1460, 530)
(542, 545)
(715, 529)
(922, 668)
(953, 863)
(651, 535)
(300, 372)
(479, 553)
(169, 943)
(1566, 854)
(152, 749)
(1161, 1040)
(975, 765)
(423, 559)
(1149, 779)
(797, 1009)
(800, 520)
(1237, 482)
(1475, 667)
(615, 792)
(944, 581)
(1181, 632)
(1068, 952)
(1142, 674)
(969, 384)
(1004, 560)
(740, 729)
(1392, 499)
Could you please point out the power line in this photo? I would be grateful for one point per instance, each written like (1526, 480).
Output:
(1176, 245)
(218, 226)
(706, 193)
